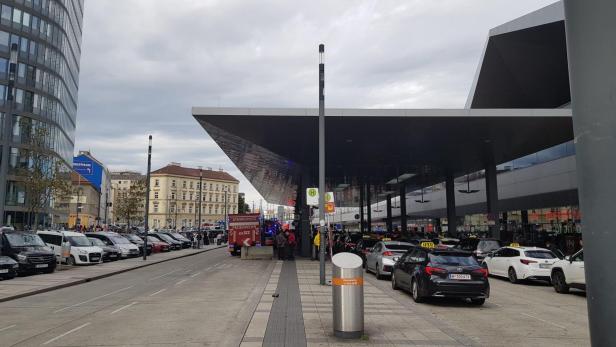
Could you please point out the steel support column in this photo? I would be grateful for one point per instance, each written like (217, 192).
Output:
(369, 209)
(591, 52)
(492, 198)
(403, 229)
(450, 194)
(362, 225)
(389, 221)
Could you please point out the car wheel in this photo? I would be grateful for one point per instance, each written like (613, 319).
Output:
(559, 282)
(378, 272)
(513, 277)
(394, 285)
(478, 301)
(71, 261)
(415, 292)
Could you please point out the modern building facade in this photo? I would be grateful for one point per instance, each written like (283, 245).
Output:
(174, 196)
(81, 204)
(40, 49)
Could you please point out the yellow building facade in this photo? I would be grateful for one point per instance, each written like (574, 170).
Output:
(175, 197)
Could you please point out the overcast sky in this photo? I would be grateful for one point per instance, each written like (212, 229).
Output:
(145, 63)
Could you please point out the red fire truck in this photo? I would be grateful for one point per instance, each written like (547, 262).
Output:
(243, 231)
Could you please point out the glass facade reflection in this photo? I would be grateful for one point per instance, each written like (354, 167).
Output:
(47, 35)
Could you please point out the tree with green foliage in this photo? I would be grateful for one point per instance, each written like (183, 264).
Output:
(129, 204)
(45, 177)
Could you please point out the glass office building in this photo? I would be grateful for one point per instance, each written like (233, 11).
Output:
(45, 37)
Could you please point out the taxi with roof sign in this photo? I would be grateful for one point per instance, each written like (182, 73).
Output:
(520, 263)
(428, 271)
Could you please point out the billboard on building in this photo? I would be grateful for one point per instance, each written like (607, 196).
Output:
(89, 169)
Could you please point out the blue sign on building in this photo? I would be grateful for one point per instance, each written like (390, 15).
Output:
(89, 169)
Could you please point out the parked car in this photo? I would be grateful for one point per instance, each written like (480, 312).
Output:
(82, 252)
(173, 243)
(127, 249)
(186, 243)
(136, 240)
(569, 273)
(448, 242)
(110, 252)
(441, 273)
(480, 247)
(8, 268)
(384, 255)
(520, 263)
(30, 252)
(158, 245)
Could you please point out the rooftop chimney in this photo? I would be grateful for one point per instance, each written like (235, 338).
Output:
(173, 163)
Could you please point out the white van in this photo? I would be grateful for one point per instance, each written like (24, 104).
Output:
(82, 251)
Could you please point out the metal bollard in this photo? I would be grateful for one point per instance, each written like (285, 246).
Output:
(348, 295)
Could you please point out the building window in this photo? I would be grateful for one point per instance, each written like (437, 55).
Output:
(210, 186)
(155, 208)
(155, 195)
(216, 209)
(156, 183)
(183, 195)
(173, 183)
(210, 197)
(190, 196)
(184, 207)
(183, 184)
(172, 195)
(190, 208)
(191, 185)
(210, 209)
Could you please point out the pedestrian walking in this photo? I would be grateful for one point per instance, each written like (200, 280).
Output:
(317, 243)
(290, 245)
(199, 237)
(281, 244)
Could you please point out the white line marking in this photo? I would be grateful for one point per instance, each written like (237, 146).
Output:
(163, 275)
(208, 269)
(96, 298)
(9, 327)
(123, 307)
(180, 282)
(158, 292)
(545, 321)
(66, 333)
(195, 274)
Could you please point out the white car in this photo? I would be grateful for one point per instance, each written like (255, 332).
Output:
(82, 252)
(383, 256)
(569, 273)
(520, 263)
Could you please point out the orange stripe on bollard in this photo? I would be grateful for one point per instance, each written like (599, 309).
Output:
(357, 281)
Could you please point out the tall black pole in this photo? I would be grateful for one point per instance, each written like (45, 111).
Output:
(147, 199)
(591, 53)
(200, 197)
(323, 229)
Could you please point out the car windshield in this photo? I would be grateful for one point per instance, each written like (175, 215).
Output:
(153, 239)
(179, 236)
(96, 242)
(166, 238)
(24, 240)
(453, 260)
(488, 245)
(402, 248)
(540, 254)
(119, 240)
(133, 238)
(79, 241)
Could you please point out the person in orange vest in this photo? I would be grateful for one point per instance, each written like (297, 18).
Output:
(317, 244)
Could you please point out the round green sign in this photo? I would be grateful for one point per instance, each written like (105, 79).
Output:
(312, 192)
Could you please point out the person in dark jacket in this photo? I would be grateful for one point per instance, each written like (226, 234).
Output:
(281, 245)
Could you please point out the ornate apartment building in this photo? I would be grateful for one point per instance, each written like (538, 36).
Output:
(175, 195)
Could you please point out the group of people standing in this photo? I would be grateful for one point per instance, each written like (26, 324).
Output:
(285, 245)
(196, 239)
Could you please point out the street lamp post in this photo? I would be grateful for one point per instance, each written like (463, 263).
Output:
(200, 198)
(147, 199)
(322, 164)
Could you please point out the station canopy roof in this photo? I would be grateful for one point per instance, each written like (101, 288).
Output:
(277, 148)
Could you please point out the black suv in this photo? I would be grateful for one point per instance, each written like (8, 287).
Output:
(28, 250)
(441, 273)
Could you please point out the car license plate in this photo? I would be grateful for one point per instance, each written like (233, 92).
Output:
(4, 271)
(545, 266)
(94, 259)
(460, 276)
(113, 255)
(40, 266)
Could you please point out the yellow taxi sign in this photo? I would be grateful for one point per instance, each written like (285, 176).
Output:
(514, 244)
(386, 239)
(427, 245)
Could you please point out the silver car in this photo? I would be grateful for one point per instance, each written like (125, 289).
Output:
(383, 256)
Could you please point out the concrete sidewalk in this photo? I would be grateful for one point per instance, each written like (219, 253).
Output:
(69, 276)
